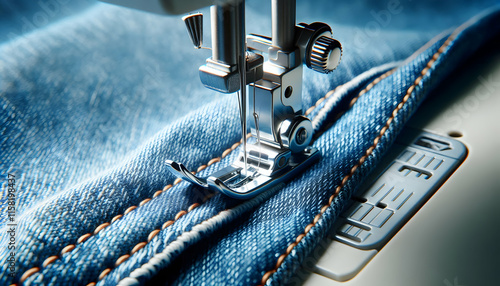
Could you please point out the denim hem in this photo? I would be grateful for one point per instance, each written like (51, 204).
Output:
(162, 259)
(290, 260)
(334, 100)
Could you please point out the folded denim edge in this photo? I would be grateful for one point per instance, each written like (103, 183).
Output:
(162, 259)
(334, 101)
(290, 263)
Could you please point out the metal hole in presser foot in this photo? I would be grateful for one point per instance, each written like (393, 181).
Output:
(241, 180)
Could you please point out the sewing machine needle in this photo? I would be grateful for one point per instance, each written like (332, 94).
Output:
(243, 111)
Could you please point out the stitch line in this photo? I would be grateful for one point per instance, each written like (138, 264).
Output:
(220, 217)
(354, 99)
(319, 101)
(371, 85)
(368, 152)
(151, 235)
(51, 259)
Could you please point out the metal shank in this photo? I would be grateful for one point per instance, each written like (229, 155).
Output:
(283, 24)
(226, 24)
(279, 148)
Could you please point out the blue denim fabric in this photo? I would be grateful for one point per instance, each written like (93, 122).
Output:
(95, 102)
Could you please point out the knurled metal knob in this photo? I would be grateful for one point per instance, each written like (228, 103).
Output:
(325, 54)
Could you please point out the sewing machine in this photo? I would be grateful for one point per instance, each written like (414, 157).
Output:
(271, 67)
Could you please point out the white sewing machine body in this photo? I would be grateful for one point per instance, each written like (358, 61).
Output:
(167, 7)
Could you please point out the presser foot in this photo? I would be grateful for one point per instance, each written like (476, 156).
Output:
(232, 181)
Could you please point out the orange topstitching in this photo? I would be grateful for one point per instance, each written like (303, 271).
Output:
(86, 236)
(368, 152)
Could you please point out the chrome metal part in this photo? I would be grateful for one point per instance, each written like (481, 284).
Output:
(222, 71)
(181, 171)
(272, 68)
(266, 160)
(225, 78)
(296, 134)
(242, 65)
(283, 24)
(220, 76)
(231, 181)
(325, 55)
(226, 32)
(275, 102)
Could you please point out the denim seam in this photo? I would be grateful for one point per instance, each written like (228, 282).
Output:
(368, 152)
(51, 259)
(122, 258)
(319, 101)
(151, 235)
(312, 108)
(203, 226)
(354, 99)
(371, 85)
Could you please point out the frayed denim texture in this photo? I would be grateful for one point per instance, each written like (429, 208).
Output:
(94, 103)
